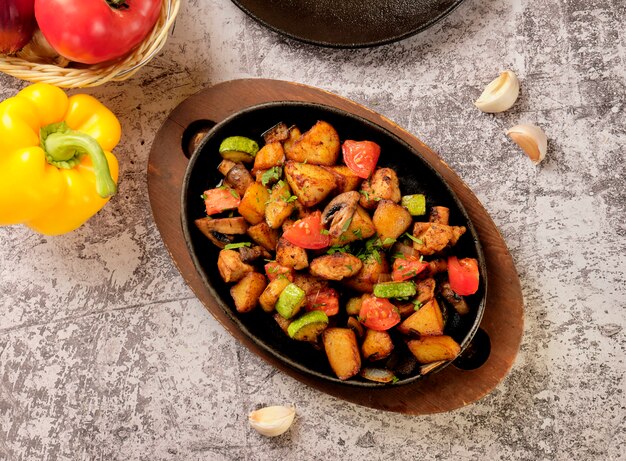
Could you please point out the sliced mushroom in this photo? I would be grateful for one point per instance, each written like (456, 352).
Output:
(279, 132)
(453, 299)
(339, 212)
(221, 231)
(251, 254)
(239, 178)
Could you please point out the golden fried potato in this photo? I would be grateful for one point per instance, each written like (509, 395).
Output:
(391, 221)
(289, 255)
(427, 321)
(247, 291)
(431, 349)
(342, 351)
(318, 146)
(253, 203)
(310, 183)
(377, 345)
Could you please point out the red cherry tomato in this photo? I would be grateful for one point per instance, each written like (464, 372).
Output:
(378, 314)
(273, 270)
(361, 156)
(326, 301)
(308, 233)
(93, 31)
(463, 275)
(220, 199)
(407, 268)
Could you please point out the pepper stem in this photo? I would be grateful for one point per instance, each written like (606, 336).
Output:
(64, 148)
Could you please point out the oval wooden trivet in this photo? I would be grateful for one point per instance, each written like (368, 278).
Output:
(503, 319)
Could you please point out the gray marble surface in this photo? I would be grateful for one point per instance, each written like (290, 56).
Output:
(106, 354)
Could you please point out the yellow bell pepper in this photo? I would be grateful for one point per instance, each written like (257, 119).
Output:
(56, 165)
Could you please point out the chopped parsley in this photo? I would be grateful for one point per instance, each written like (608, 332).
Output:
(232, 246)
(273, 173)
(417, 304)
(388, 241)
(412, 237)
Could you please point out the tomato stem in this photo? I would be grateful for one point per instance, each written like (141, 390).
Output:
(117, 4)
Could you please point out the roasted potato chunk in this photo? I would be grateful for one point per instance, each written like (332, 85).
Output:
(383, 185)
(427, 321)
(289, 255)
(377, 345)
(264, 235)
(345, 179)
(253, 203)
(336, 266)
(310, 183)
(292, 137)
(270, 295)
(318, 146)
(231, 267)
(434, 348)
(391, 221)
(247, 291)
(270, 155)
(280, 205)
(342, 351)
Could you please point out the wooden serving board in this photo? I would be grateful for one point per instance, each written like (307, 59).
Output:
(446, 390)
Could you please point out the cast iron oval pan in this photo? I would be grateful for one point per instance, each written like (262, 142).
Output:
(347, 23)
(416, 177)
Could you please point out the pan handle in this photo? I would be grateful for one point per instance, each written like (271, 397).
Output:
(194, 134)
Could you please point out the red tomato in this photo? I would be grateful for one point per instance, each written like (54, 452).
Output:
(220, 199)
(324, 300)
(361, 156)
(307, 233)
(93, 31)
(378, 314)
(273, 270)
(463, 275)
(407, 268)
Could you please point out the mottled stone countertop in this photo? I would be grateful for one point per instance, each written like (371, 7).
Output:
(106, 354)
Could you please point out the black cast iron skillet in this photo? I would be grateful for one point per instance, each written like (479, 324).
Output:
(415, 174)
(348, 23)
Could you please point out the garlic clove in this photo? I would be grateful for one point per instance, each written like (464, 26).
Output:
(500, 94)
(272, 421)
(531, 139)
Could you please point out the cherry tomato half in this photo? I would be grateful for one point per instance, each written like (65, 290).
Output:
(463, 275)
(273, 270)
(308, 233)
(326, 301)
(361, 156)
(220, 199)
(378, 314)
(407, 268)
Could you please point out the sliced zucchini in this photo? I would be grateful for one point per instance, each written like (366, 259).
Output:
(290, 301)
(416, 204)
(239, 149)
(308, 327)
(394, 289)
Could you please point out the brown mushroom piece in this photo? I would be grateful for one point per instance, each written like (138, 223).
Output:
(221, 231)
(339, 212)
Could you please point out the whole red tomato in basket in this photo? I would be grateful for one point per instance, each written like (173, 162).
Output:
(95, 31)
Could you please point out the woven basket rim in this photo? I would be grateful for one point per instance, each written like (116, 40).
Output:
(81, 76)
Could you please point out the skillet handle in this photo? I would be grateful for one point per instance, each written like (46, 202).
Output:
(194, 134)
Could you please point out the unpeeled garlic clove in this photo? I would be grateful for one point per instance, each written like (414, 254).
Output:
(500, 94)
(531, 139)
(272, 421)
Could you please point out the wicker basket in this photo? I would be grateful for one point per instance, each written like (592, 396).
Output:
(81, 75)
